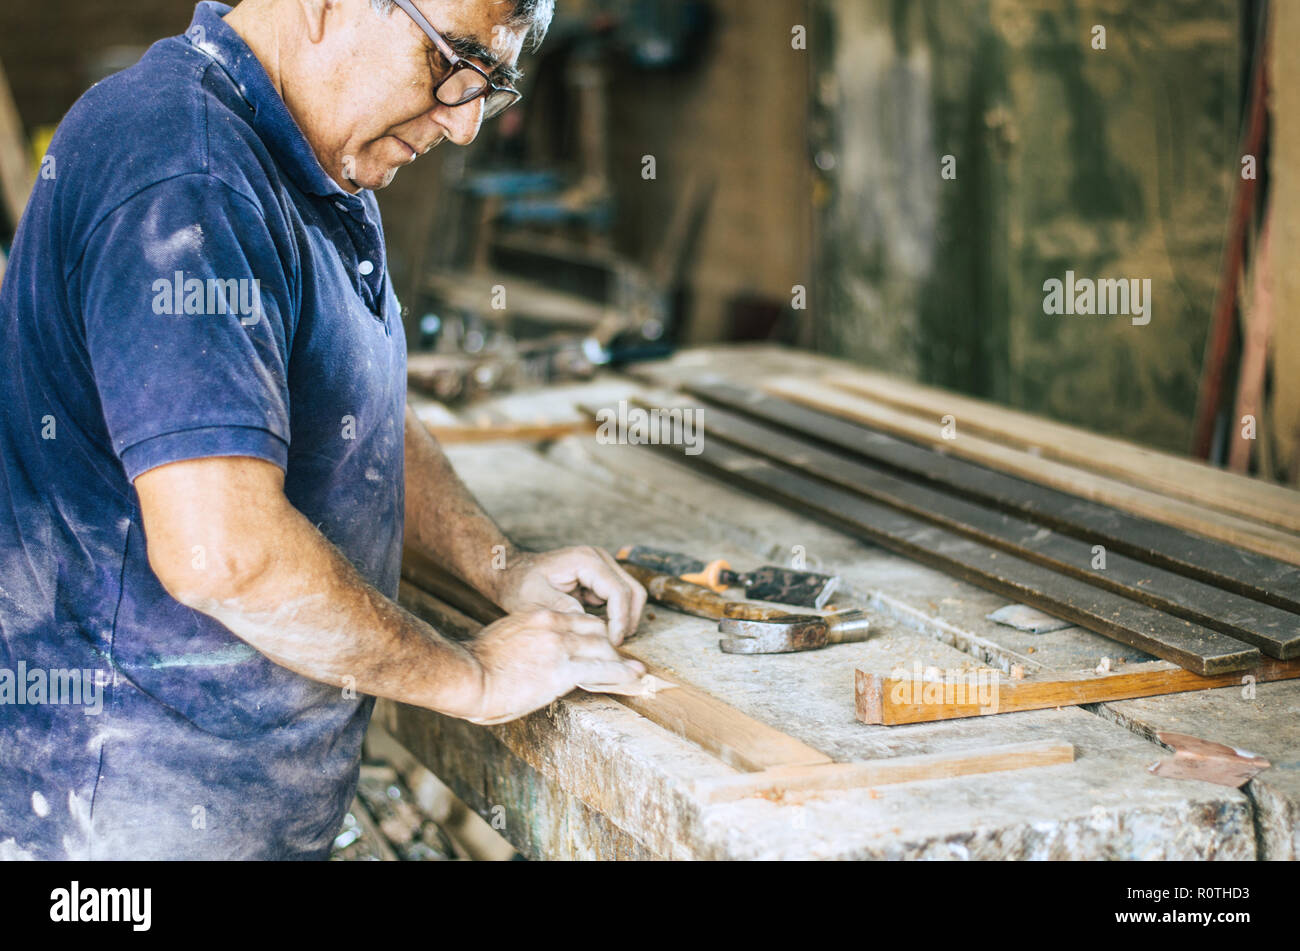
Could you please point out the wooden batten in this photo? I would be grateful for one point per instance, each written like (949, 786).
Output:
(1188, 516)
(738, 740)
(882, 699)
(777, 784)
(1170, 475)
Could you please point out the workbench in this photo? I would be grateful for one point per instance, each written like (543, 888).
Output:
(590, 778)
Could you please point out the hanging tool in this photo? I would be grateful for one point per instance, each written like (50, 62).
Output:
(807, 589)
(752, 628)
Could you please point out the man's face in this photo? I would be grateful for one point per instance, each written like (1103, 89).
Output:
(372, 109)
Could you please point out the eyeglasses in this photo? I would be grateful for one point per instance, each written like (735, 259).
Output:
(465, 82)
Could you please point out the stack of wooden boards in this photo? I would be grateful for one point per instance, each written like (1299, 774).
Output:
(1187, 563)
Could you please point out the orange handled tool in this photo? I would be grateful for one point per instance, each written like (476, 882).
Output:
(768, 583)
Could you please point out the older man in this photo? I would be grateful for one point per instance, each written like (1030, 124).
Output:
(208, 466)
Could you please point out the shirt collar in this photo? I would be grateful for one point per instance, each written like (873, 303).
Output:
(272, 121)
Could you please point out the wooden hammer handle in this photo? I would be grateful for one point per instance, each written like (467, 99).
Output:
(679, 594)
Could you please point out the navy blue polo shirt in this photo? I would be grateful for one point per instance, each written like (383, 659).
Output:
(186, 282)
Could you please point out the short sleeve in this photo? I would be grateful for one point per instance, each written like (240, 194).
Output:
(188, 317)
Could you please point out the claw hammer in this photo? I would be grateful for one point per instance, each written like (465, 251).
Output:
(753, 628)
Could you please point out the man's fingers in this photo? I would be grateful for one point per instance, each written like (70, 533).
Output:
(575, 622)
(593, 647)
(590, 576)
(639, 597)
(561, 603)
(624, 600)
(619, 677)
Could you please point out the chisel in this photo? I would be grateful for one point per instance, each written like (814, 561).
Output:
(768, 583)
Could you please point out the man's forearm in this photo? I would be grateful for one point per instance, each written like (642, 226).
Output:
(308, 610)
(444, 521)
(223, 539)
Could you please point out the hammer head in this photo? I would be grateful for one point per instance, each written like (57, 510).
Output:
(780, 635)
(748, 632)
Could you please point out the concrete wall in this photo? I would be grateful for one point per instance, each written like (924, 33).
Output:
(1114, 163)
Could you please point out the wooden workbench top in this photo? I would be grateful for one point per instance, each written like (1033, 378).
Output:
(590, 778)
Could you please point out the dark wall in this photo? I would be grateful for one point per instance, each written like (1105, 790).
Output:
(52, 50)
(1115, 163)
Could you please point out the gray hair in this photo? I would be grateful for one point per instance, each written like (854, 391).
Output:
(534, 14)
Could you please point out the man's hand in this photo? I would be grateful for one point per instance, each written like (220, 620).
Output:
(444, 522)
(570, 579)
(528, 660)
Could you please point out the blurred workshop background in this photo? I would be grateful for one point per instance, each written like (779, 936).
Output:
(888, 181)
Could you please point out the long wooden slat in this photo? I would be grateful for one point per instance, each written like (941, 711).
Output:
(1247, 573)
(1251, 536)
(771, 762)
(1162, 472)
(445, 619)
(776, 784)
(507, 432)
(888, 700)
(1130, 622)
(1273, 630)
(15, 172)
(430, 578)
(738, 740)
(1258, 317)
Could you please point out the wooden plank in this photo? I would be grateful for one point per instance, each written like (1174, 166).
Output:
(738, 740)
(15, 170)
(1171, 475)
(1257, 317)
(881, 699)
(525, 299)
(445, 619)
(1273, 630)
(1247, 573)
(507, 432)
(1253, 536)
(1129, 622)
(1241, 225)
(776, 784)
(426, 575)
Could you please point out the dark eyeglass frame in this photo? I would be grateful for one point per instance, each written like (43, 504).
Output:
(458, 64)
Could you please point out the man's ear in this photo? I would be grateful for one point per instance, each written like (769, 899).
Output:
(314, 13)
